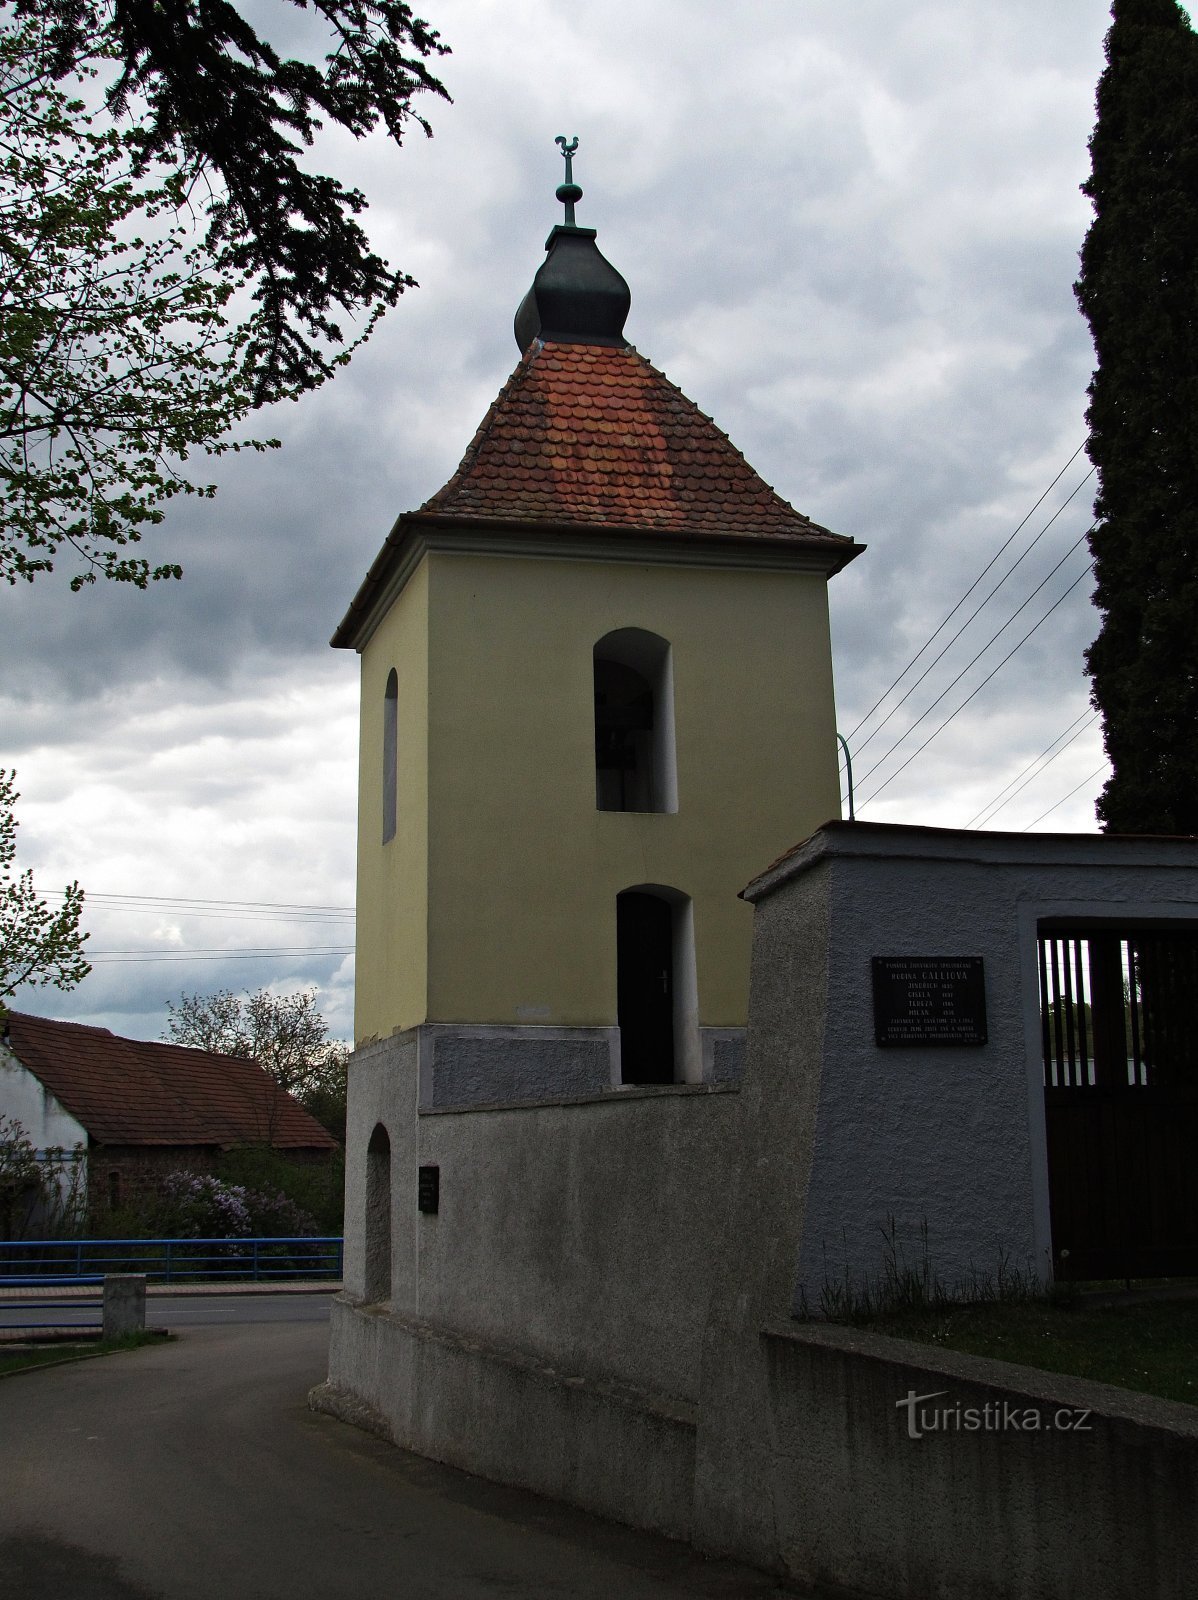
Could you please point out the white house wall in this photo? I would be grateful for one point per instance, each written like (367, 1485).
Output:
(47, 1124)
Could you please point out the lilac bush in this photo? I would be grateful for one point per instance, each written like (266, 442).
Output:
(199, 1206)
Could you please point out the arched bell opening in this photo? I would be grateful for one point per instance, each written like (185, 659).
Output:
(635, 767)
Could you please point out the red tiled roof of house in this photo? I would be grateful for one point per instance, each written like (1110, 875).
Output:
(596, 436)
(132, 1091)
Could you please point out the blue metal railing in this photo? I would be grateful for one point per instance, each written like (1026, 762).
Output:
(29, 1263)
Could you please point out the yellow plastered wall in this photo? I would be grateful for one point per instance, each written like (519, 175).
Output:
(522, 870)
(391, 978)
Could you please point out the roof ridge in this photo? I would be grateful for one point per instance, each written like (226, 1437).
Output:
(56, 1022)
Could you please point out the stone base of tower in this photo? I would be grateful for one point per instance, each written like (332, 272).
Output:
(481, 1065)
(607, 1447)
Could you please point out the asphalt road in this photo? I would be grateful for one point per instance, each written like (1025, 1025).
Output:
(193, 1470)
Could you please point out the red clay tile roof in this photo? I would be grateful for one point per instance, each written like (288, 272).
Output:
(130, 1091)
(594, 435)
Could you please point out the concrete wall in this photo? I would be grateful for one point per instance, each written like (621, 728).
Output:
(545, 1326)
(1032, 1485)
(941, 1148)
(579, 1232)
(600, 1308)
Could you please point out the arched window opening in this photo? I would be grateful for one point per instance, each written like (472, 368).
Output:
(656, 995)
(390, 753)
(378, 1216)
(634, 723)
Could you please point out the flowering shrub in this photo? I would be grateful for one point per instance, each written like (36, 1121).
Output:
(275, 1215)
(196, 1206)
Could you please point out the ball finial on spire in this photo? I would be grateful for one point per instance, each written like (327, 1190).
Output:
(569, 192)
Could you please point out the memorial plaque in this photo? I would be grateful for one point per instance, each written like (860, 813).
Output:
(929, 1000)
(428, 1190)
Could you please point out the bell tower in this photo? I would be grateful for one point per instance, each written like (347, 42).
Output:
(596, 701)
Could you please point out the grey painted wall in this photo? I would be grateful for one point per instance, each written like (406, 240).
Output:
(475, 1065)
(941, 1150)
(581, 1232)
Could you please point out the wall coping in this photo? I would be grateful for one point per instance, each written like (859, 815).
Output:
(613, 1096)
(1058, 1389)
(893, 841)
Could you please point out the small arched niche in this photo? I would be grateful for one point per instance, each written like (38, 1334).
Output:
(657, 1001)
(635, 768)
(378, 1216)
(390, 752)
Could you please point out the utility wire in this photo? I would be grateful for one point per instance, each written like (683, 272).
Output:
(981, 606)
(1087, 720)
(274, 952)
(1095, 774)
(973, 586)
(980, 687)
(992, 640)
(245, 905)
(233, 910)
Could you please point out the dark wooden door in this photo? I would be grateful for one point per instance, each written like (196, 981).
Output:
(1121, 1101)
(645, 986)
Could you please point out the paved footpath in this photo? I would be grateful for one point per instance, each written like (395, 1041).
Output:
(194, 1471)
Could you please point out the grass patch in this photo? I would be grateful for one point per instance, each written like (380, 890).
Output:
(50, 1354)
(1150, 1347)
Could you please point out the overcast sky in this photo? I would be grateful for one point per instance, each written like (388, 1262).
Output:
(851, 234)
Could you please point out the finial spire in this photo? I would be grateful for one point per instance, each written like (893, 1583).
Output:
(569, 192)
(577, 296)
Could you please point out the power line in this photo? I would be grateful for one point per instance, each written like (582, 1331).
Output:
(971, 617)
(992, 640)
(1089, 568)
(975, 583)
(1087, 719)
(1095, 774)
(234, 910)
(250, 905)
(270, 953)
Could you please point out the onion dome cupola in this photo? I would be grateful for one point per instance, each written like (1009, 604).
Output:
(577, 296)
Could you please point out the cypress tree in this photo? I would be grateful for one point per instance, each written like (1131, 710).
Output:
(1139, 291)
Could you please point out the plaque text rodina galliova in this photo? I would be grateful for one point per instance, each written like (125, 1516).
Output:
(929, 1000)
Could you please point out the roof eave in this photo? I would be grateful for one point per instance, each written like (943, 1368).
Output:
(819, 551)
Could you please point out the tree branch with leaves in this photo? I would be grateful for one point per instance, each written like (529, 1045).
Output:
(284, 1033)
(168, 263)
(39, 945)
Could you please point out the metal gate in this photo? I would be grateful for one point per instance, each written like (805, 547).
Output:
(1119, 1021)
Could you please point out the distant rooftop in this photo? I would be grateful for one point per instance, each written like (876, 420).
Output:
(136, 1092)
